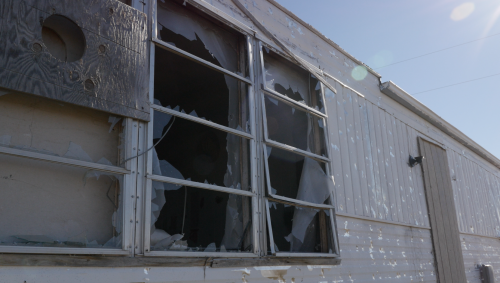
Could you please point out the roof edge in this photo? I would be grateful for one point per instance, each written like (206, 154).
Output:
(402, 97)
(326, 39)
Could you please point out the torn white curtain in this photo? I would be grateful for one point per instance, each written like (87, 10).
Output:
(315, 186)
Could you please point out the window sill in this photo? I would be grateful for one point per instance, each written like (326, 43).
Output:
(120, 261)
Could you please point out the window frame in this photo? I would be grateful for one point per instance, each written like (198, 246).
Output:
(270, 196)
(251, 137)
(129, 180)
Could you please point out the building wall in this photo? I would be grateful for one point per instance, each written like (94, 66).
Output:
(382, 220)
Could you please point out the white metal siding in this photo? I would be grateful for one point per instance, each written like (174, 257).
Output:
(370, 150)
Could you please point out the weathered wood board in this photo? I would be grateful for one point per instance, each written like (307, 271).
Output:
(443, 220)
(115, 60)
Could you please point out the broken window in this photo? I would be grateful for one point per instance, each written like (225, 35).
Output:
(298, 180)
(299, 229)
(61, 185)
(200, 182)
(198, 220)
(293, 126)
(287, 80)
(187, 87)
(191, 32)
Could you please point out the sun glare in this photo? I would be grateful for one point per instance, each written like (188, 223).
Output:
(463, 11)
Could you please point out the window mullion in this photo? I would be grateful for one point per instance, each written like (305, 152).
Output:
(292, 102)
(149, 143)
(201, 121)
(130, 182)
(192, 57)
(296, 202)
(199, 185)
(297, 151)
(140, 189)
(256, 221)
(270, 229)
(285, 146)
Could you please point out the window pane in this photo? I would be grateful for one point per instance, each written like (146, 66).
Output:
(198, 36)
(38, 124)
(191, 88)
(49, 205)
(192, 151)
(301, 230)
(294, 127)
(292, 81)
(197, 220)
(298, 177)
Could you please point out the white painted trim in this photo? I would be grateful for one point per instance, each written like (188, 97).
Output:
(342, 84)
(381, 221)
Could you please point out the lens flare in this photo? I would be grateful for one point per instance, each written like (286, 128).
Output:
(463, 11)
(382, 58)
(359, 73)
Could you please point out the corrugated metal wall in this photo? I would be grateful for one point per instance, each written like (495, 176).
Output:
(370, 150)
(476, 192)
(477, 196)
(480, 250)
(381, 252)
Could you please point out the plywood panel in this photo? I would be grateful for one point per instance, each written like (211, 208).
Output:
(118, 73)
(449, 215)
(439, 195)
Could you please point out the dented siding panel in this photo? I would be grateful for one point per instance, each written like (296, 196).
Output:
(370, 150)
(380, 252)
(476, 194)
(480, 250)
(371, 252)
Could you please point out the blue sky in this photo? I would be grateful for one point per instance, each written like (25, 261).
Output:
(386, 31)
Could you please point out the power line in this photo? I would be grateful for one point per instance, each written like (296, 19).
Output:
(437, 51)
(457, 83)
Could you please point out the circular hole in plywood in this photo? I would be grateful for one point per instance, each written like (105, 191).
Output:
(89, 85)
(63, 38)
